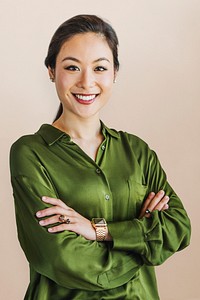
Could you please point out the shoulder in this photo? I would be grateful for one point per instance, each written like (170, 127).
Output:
(125, 137)
(24, 150)
(43, 137)
(135, 146)
(134, 141)
(132, 138)
(26, 143)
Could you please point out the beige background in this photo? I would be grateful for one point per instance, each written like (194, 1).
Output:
(156, 97)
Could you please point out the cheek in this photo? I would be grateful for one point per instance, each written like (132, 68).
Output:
(63, 83)
(61, 87)
(107, 82)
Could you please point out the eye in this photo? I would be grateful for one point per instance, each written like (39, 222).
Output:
(72, 68)
(100, 69)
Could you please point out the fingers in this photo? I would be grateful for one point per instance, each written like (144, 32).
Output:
(146, 204)
(53, 213)
(54, 210)
(153, 202)
(166, 206)
(60, 228)
(56, 219)
(149, 199)
(159, 201)
(58, 207)
(162, 205)
(49, 221)
(54, 201)
(70, 221)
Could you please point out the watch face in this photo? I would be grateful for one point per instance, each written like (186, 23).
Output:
(99, 221)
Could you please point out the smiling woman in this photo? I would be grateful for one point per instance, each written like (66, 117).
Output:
(95, 212)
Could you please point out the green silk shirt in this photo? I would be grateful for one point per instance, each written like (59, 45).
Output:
(67, 266)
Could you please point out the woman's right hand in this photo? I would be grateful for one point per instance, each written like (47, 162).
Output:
(153, 202)
(76, 222)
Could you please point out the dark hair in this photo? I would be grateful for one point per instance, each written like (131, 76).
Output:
(76, 25)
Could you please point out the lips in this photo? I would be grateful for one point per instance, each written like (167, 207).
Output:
(85, 98)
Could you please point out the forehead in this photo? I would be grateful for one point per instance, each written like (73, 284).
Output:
(86, 45)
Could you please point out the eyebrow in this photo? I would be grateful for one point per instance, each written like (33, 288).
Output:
(78, 61)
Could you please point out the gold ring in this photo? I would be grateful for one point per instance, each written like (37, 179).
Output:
(64, 219)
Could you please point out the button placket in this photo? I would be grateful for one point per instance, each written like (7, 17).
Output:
(106, 193)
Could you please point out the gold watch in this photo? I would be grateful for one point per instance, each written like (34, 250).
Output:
(100, 227)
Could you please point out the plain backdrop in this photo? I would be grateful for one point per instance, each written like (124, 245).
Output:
(156, 97)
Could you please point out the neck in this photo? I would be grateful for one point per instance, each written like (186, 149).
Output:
(79, 128)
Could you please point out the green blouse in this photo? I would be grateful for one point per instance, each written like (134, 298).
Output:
(66, 265)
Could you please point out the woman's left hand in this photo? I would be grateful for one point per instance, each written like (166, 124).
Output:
(77, 223)
(153, 202)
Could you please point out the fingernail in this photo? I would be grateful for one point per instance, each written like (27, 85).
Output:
(38, 214)
(50, 229)
(41, 222)
(44, 198)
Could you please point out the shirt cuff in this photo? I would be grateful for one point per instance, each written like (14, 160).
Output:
(127, 235)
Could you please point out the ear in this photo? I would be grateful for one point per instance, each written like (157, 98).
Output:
(51, 74)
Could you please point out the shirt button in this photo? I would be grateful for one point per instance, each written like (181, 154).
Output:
(103, 147)
(107, 197)
(98, 171)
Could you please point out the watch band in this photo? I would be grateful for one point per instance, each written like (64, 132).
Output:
(100, 233)
(100, 226)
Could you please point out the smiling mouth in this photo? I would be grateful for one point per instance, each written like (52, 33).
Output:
(85, 99)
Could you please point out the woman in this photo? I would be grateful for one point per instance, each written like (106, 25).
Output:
(94, 210)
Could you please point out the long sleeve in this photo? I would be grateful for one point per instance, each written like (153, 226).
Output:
(158, 237)
(66, 258)
(114, 186)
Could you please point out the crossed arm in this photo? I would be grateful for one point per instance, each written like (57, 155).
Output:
(142, 240)
(82, 226)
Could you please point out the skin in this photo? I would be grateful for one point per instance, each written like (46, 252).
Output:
(84, 76)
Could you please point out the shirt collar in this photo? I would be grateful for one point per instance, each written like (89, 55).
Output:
(110, 131)
(51, 134)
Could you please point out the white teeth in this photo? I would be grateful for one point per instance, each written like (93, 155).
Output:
(85, 98)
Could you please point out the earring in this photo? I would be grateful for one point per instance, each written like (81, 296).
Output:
(52, 79)
(115, 80)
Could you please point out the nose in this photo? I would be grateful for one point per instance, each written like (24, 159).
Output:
(86, 79)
